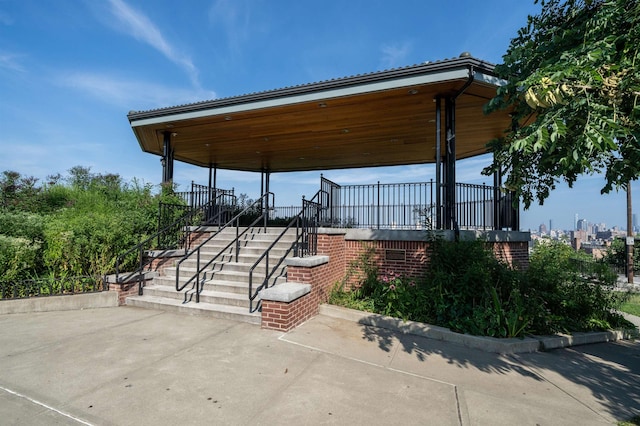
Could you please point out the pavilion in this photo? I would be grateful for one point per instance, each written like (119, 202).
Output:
(426, 113)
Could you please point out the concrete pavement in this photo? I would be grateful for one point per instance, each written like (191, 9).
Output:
(131, 366)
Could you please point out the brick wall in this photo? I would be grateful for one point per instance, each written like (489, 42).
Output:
(284, 316)
(401, 257)
(515, 253)
(124, 290)
(407, 257)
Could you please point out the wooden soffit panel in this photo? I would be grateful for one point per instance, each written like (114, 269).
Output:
(378, 123)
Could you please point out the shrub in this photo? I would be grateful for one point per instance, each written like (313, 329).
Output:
(18, 257)
(468, 290)
(568, 297)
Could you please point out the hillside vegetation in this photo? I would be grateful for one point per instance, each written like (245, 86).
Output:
(71, 225)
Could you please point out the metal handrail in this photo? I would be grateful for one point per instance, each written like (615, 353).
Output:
(298, 220)
(269, 274)
(140, 248)
(264, 200)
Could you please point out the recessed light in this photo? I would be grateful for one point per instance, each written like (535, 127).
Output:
(413, 92)
(227, 118)
(322, 105)
(345, 130)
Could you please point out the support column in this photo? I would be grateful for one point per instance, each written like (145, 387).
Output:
(450, 220)
(438, 102)
(264, 189)
(497, 210)
(167, 159)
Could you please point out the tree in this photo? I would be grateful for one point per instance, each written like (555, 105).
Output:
(573, 86)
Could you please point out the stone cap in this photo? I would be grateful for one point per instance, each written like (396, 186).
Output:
(285, 292)
(308, 262)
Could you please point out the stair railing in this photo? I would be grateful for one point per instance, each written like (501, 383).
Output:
(198, 283)
(305, 243)
(184, 223)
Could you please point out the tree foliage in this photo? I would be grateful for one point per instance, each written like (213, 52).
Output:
(573, 86)
(72, 225)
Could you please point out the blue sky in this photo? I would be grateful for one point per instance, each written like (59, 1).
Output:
(70, 70)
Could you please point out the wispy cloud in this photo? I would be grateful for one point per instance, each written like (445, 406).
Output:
(394, 55)
(131, 93)
(234, 16)
(10, 61)
(139, 26)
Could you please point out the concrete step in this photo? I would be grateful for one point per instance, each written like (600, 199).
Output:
(240, 276)
(225, 293)
(227, 272)
(243, 259)
(234, 313)
(238, 287)
(206, 296)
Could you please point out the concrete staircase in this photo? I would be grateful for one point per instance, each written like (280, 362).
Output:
(225, 292)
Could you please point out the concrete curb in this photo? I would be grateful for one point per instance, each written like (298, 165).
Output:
(104, 299)
(486, 344)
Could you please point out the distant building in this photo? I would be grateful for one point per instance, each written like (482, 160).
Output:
(577, 238)
(582, 225)
(542, 230)
(599, 227)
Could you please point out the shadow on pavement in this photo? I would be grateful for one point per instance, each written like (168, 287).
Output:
(607, 372)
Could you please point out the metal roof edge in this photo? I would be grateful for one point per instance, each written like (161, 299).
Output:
(356, 80)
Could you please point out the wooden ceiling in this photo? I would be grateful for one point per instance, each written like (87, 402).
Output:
(330, 126)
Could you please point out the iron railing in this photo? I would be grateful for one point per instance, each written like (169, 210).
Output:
(176, 233)
(201, 194)
(219, 205)
(52, 286)
(284, 212)
(266, 200)
(413, 206)
(306, 223)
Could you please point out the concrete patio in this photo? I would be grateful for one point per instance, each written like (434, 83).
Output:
(132, 366)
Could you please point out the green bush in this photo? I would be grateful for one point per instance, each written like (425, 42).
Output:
(568, 298)
(76, 225)
(19, 258)
(468, 290)
(22, 225)
(104, 222)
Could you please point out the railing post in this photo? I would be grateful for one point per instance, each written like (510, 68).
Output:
(140, 271)
(484, 206)
(378, 207)
(198, 277)
(237, 239)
